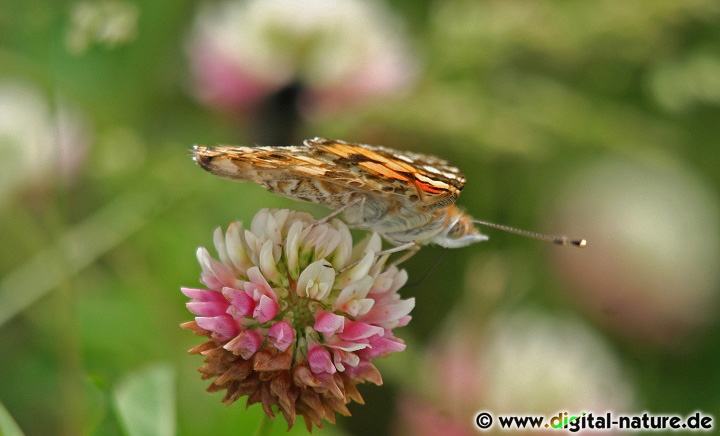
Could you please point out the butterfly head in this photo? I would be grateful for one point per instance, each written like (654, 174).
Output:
(458, 231)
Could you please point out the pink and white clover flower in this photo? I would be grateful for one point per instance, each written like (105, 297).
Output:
(294, 314)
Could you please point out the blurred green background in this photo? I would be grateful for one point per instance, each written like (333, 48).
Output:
(596, 119)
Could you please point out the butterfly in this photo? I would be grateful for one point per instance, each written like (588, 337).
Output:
(406, 197)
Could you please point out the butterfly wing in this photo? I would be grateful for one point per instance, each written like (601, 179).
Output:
(422, 180)
(336, 173)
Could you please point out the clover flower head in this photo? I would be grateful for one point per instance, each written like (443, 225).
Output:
(241, 52)
(295, 314)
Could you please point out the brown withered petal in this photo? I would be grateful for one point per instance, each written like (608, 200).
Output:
(302, 376)
(352, 393)
(287, 394)
(237, 372)
(272, 360)
(202, 348)
(192, 326)
(270, 378)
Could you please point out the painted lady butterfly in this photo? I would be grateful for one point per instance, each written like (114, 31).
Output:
(406, 197)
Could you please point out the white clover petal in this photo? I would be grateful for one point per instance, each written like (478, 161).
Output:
(328, 244)
(344, 248)
(379, 265)
(272, 232)
(280, 217)
(316, 236)
(268, 264)
(399, 279)
(358, 271)
(265, 227)
(352, 298)
(254, 244)
(316, 280)
(219, 242)
(383, 282)
(389, 281)
(203, 257)
(257, 225)
(372, 243)
(292, 249)
(235, 246)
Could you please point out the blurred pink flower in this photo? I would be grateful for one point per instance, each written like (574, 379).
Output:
(295, 314)
(651, 273)
(340, 53)
(524, 363)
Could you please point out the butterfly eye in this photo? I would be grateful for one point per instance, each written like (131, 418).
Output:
(458, 230)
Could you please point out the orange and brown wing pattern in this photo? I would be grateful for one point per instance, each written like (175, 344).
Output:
(297, 172)
(426, 181)
(332, 172)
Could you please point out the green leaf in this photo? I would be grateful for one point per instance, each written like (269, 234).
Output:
(8, 426)
(145, 401)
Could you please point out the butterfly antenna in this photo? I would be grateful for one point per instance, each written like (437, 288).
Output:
(559, 240)
(430, 270)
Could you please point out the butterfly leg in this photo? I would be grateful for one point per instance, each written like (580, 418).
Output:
(410, 247)
(341, 210)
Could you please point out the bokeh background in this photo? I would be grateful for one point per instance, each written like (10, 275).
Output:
(597, 119)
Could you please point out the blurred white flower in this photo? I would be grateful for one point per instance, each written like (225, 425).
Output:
(107, 23)
(339, 52)
(522, 363)
(650, 271)
(539, 364)
(37, 144)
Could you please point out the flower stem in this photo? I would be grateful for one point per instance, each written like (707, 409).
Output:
(265, 427)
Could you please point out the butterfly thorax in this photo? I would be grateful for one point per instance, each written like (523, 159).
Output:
(449, 227)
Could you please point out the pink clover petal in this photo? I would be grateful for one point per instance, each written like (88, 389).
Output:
(358, 370)
(329, 323)
(359, 330)
(204, 308)
(266, 309)
(319, 360)
(215, 275)
(231, 293)
(245, 344)
(258, 286)
(381, 346)
(405, 320)
(336, 343)
(202, 294)
(240, 303)
(388, 313)
(223, 327)
(342, 358)
(281, 335)
(364, 369)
